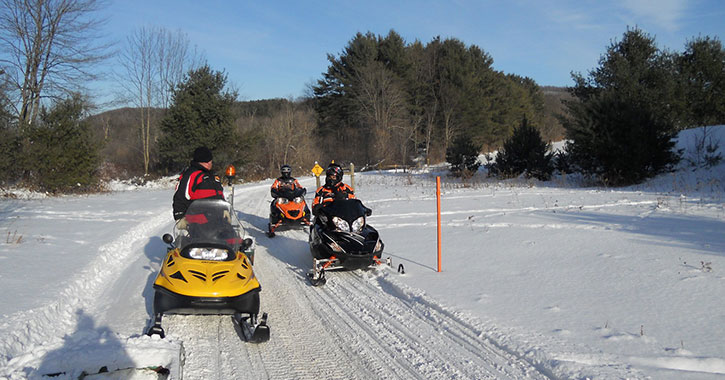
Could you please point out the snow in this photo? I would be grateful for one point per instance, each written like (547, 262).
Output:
(562, 280)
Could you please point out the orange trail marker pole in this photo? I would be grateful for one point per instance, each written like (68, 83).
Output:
(438, 202)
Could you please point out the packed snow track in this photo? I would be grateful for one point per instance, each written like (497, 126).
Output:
(360, 325)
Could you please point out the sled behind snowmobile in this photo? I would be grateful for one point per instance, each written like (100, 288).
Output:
(288, 209)
(340, 238)
(208, 270)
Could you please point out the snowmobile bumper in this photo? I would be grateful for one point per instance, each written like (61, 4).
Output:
(168, 302)
(353, 262)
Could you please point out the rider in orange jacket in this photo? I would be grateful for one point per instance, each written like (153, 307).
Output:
(284, 182)
(333, 188)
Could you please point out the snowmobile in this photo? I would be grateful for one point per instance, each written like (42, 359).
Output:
(340, 238)
(208, 270)
(289, 208)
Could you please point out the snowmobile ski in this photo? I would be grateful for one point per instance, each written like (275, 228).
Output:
(251, 329)
(156, 328)
(317, 276)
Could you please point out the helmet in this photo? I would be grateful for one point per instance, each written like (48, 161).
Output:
(286, 171)
(333, 175)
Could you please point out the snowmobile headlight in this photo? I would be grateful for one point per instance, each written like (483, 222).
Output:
(378, 246)
(299, 200)
(282, 201)
(340, 223)
(358, 224)
(213, 254)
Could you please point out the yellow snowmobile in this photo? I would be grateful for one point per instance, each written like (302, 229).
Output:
(208, 270)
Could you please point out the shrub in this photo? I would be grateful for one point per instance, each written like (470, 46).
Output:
(60, 153)
(525, 152)
(462, 155)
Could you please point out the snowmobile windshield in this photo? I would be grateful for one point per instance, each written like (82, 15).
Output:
(209, 223)
(347, 209)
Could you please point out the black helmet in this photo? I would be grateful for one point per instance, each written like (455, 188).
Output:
(333, 175)
(286, 171)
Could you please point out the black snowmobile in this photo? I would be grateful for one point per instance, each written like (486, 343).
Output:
(340, 238)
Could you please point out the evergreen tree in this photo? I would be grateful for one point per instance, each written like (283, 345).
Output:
(10, 143)
(462, 155)
(637, 71)
(9, 149)
(200, 114)
(61, 154)
(619, 141)
(626, 113)
(524, 152)
(702, 71)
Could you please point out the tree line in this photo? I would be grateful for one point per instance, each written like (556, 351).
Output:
(381, 101)
(624, 114)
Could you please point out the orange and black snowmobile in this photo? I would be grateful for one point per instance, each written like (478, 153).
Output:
(288, 209)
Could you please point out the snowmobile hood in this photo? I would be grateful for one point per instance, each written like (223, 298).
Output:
(206, 278)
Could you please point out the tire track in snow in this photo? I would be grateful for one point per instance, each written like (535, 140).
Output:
(429, 343)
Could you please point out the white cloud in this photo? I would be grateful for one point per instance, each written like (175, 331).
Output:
(666, 14)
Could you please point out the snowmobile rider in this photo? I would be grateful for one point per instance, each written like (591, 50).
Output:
(196, 182)
(283, 184)
(333, 189)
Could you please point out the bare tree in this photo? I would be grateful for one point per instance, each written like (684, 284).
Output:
(288, 136)
(152, 62)
(48, 47)
(176, 56)
(382, 106)
(450, 108)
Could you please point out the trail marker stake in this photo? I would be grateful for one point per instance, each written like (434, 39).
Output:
(438, 203)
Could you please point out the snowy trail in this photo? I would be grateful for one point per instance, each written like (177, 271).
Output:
(358, 326)
(84, 312)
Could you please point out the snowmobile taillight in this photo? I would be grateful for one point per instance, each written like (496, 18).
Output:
(212, 254)
(358, 224)
(340, 224)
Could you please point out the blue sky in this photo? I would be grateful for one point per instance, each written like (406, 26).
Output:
(272, 49)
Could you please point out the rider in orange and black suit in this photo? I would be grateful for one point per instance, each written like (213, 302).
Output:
(333, 188)
(284, 183)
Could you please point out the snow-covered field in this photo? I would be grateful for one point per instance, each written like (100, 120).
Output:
(539, 280)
